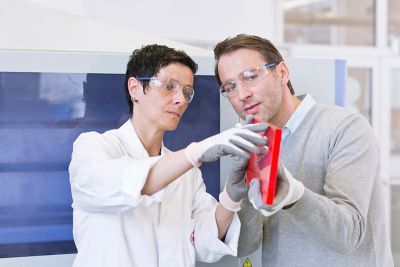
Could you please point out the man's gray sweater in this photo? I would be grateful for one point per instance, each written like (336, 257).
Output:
(340, 220)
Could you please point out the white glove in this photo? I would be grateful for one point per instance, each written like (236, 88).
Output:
(237, 141)
(288, 191)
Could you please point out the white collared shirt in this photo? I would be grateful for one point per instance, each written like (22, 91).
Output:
(306, 104)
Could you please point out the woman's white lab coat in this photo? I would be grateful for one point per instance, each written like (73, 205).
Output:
(114, 225)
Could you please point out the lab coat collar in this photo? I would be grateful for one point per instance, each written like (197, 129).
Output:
(131, 141)
(135, 149)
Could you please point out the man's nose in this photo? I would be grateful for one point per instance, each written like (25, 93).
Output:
(243, 91)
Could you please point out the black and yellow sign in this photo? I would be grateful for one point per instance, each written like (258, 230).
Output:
(247, 263)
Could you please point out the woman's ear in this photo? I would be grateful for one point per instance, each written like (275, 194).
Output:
(133, 85)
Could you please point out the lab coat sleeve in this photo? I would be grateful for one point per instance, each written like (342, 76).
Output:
(209, 248)
(105, 180)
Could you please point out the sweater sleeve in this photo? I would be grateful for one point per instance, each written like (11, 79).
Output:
(251, 231)
(338, 217)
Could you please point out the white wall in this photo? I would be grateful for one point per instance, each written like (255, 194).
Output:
(200, 22)
(26, 25)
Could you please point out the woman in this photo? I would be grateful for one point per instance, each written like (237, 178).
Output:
(137, 203)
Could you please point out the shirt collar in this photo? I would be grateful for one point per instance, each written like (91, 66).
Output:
(307, 102)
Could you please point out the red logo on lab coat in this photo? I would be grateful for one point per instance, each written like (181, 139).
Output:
(192, 238)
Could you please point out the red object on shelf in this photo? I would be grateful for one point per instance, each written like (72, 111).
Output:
(265, 166)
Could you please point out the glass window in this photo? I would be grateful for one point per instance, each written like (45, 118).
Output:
(358, 91)
(395, 221)
(336, 22)
(395, 164)
(395, 122)
(394, 25)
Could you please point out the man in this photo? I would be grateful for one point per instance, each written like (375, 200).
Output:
(138, 204)
(329, 207)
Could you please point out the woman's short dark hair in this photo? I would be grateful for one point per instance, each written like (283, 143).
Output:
(148, 60)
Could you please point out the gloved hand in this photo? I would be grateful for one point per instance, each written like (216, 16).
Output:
(235, 187)
(236, 141)
(288, 191)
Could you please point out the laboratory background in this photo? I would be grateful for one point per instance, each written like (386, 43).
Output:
(62, 49)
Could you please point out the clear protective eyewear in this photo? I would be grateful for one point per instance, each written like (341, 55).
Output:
(171, 87)
(248, 77)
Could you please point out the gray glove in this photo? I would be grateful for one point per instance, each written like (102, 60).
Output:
(237, 141)
(235, 185)
(288, 191)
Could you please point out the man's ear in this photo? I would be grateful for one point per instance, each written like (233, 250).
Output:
(133, 85)
(283, 72)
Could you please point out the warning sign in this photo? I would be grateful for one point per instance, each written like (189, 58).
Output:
(247, 263)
